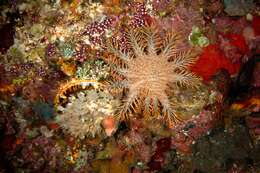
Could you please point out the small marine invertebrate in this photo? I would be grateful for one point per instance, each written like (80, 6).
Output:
(83, 115)
(67, 67)
(152, 70)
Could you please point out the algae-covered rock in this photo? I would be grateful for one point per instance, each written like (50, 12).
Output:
(44, 110)
(238, 7)
(190, 101)
(214, 153)
(107, 152)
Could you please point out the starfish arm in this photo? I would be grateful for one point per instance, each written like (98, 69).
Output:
(156, 109)
(153, 41)
(137, 41)
(169, 45)
(182, 60)
(114, 49)
(185, 78)
(121, 71)
(167, 112)
(147, 106)
(118, 84)
(131, 104)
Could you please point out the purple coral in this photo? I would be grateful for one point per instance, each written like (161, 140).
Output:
(140, 16)
(95, 31)
(50, 50)
(81, 53)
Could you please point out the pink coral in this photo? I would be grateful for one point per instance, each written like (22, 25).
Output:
(185, 18)
(160, 6)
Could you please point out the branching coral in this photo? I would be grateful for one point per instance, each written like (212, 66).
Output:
(151, 70)
(83, 115)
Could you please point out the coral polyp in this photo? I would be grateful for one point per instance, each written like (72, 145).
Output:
(152, 69)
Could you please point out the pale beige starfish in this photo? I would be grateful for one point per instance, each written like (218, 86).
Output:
(151, 68)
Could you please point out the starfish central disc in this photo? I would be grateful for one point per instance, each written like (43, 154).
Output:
(148, 73)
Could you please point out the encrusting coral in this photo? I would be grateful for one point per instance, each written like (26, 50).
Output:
(151, 69)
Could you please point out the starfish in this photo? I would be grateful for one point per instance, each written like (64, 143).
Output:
(153, 67)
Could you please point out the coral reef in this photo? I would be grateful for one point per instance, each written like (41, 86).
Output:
(115, 86)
